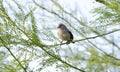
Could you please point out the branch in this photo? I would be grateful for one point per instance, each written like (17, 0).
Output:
(56, 57)
(103, 51)
(92, 43)
(3, 42)
(60, 7)
(85, 38)
(37, 44)
(101, 1)
(52, 12)
(110, 4)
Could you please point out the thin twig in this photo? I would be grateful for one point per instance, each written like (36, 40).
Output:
(101, 35)
(3, 42)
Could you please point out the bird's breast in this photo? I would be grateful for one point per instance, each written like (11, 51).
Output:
(63, 34)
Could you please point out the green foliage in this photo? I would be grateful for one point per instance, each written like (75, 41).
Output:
(110, 12)
(28, 35)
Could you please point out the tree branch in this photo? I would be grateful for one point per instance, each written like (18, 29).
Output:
(52, 12)
(3, 42)
(103, 51)
(56, 57)
(37, 44)
(85, 38)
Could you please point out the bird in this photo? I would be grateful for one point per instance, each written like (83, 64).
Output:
(65, 34)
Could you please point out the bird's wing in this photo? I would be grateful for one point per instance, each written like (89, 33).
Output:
(71, 35)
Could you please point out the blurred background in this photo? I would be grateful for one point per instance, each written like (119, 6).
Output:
(29, 41)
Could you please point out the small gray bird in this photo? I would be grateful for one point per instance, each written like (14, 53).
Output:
(65, 34)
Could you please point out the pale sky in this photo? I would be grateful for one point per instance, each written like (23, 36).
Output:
(84, 7)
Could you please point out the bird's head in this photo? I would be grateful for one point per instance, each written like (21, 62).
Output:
(61, 26)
